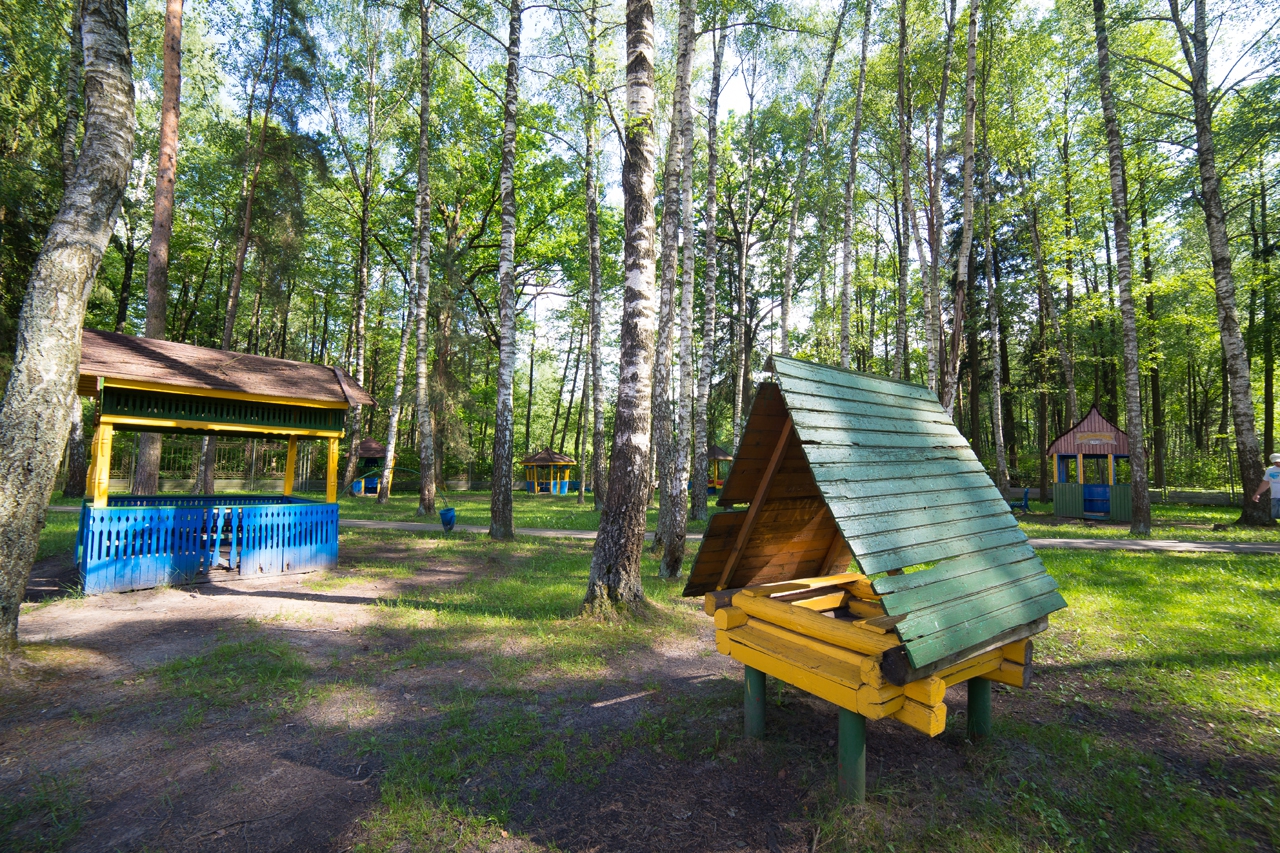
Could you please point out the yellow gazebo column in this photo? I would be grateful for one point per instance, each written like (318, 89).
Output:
(1080, 468)
(331, 476)
(290, 465)
(101, 470)
(1111, 469)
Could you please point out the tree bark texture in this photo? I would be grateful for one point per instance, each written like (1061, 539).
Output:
(850, 195)
(501, 525)
(598, 457)
(900, 353)
(1134, 424)
(711, 274)
(422, 271)
(393, 416)
(146, 476)
(615, 562)
(797, 184)
(993, 294)
(1195, 49)
(664, 447)
(35, 415)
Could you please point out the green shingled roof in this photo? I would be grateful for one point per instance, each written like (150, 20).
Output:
(906, 490)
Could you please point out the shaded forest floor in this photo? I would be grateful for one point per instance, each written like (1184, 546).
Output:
(440, 693)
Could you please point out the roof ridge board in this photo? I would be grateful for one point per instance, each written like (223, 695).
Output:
(931, 647)
(847, 372)
(941, 532)
(882, 561)
(954, 567)
(911, 602)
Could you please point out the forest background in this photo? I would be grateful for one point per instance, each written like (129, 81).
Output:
(819, 247)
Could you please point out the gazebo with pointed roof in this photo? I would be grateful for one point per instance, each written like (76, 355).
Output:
(556, 467)
(717, 455)
(1084, 470)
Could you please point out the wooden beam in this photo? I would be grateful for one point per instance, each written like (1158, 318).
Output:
(837, 549)
(779, 451)
(102, 464)
(290, 464)
(898, 670)
(331, 475)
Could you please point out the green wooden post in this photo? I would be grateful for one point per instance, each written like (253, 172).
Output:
(979, 708)
(852, 772)
(753, 702)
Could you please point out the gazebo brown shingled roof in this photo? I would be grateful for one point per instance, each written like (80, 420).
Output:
(108, 355)
(548, 457)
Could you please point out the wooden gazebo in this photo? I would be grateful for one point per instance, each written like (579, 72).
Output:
(548, 471)
(717, 456)
(372, 455)
(1084, 471)
(875, 564)
(145, 385)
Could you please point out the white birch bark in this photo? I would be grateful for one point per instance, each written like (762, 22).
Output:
(850, 195)
(35, 414)
(422, 271)
(598, 458)
(615, 562)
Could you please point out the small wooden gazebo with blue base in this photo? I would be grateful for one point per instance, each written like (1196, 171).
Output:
(875, 564)
(131, 542)
(1084, 471)
(556, 467)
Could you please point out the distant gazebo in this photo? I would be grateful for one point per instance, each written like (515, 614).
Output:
(717, 455)
(548, 471)
(1084, 471)
(372, 456)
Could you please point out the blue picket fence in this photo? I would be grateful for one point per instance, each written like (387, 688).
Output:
(138, 542)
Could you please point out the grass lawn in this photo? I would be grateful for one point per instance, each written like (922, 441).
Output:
(1184, 522)
(489, 716)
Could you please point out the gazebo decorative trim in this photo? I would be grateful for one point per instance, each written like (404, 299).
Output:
(875, 564)
(145, 385)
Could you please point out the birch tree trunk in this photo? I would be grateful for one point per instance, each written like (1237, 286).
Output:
(1064, 354)
(663, 448)
(146, 476)
(950, 378)
(850, 195)
(712, 273)
(797, 184)
(933, 301)
(1134, 425)
(742, 361)
(593, 249)
(993, 292)
(615, 562)
(1195, 49)
(393, 417)
(77, 466)
(35, 415)
(676, 497)
(422, 271)
(900, 353)
(501, 525)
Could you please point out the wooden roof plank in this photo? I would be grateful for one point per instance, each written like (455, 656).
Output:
(957, 567)
(974, 632)
(904, 558)
(940, 593)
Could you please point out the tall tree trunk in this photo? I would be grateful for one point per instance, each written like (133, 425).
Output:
(851, 193)
(712, 273)
(35, 415)
(900, 354)
(615, 562)
(1032, 209)
(742, 363)
(1134, 424)
(1268, 328)
(393, 416)
(797, 183)
(1195, 49)
(993, 293)
(593, 249)
(663, 447)
(422, 270)
(573, 390)
(77, 465)
(950, 378)
(501, 524)
(933, 300)
(677, 497)
(146, 476)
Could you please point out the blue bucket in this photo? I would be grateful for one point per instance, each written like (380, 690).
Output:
(448, 516)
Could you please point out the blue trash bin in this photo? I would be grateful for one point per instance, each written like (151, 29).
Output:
(448, 516)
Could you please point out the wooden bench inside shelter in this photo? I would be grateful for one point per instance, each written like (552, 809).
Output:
(875, 563)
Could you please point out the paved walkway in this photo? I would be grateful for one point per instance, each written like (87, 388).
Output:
(1073, 544)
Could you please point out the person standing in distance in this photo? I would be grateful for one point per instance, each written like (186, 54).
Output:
(1271, 480)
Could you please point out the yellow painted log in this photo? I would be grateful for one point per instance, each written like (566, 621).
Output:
(730, 617)
(971, 668)
(871, 673)
(930, 719)
(713, 601)
(798, 656)
(102, 463)
(1013, 674)
(767, 589)
(878, 703)
(927, 691)
(865, 609)
(861, 587)
(811, 624)
(819, 603)
(1019, 652)
(806, 680)
(835, 652)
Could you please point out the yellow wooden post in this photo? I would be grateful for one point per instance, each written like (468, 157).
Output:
(1080, 468)
(1111, 469)
(331, 477)
(102, 464)
(1055, 469)
(290, 463)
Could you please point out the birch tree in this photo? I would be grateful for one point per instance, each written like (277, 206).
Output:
(850, 193)
(615, 561)
(422, 269)
(501, 524)
(35, 414)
